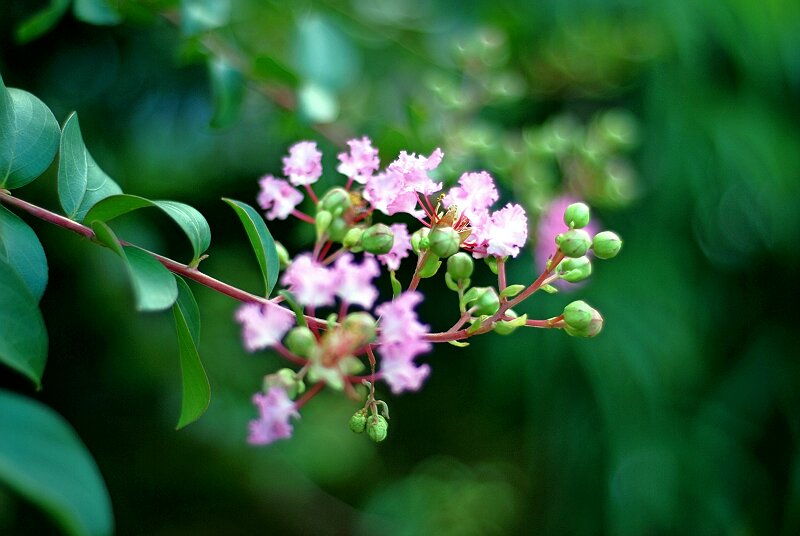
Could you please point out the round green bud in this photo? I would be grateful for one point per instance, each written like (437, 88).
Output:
(431, 266)
(377, 239)
(581, 320)
(352, 239)
(358, 422)
(336, 201)
(574, 243)
(338, 229)
(377, 428)
(487, 302)
(460, 266)
(283, 255)
(416, 239)
(576, 216)
(606, 245)
(361, 324)
(286, 379)
(323, 221)
(300, 341)
(574, 270)
(444, 241)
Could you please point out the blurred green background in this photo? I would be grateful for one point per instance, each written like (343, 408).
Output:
(678, 120)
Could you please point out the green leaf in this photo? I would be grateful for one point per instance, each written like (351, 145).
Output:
(44, 460)
(227, 88)
(549, 289)
(459, 344)
(195, 388)
(397, 288)
(99, 12)
(512, 290)
(198, 16)
(188, 218)
(41, 22)
(23, 338)
(294, 306)
(28, 137)
(81, 182)
(21, 249)
(153, 285)
(261, 240)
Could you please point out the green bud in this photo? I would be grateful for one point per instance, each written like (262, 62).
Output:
(283, 255)
(431, 266)
(576, 216)
(484, 298)
(417, 237)
(336, 201)
(574, 270)
(444, 241)
(323, 221)
(377, 239)
(574, 243)
(352, 239)
(300, 341)
(377, 428)
(581, 320)
(606, 245)
(361, 324)
(338, 229)
(358, 422)
(286, 379)
(460, 266)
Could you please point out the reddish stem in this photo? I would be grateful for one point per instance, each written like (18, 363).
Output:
(501, 273)
(415, 278)
(289, 356)
(316, 388)
(311, 193)
(303, 216)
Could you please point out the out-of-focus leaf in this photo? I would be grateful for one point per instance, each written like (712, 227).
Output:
(269, 69)
(21, 249)
(318, 104)
(28, 137)
(196, 392)
(153, 285)
(23, 338)
(81, 182)
(99, 12)
(227, 87)
(188, 218)
(324, 55)
(41, 22)
(261, 240)
(198, 16)
(44, 460)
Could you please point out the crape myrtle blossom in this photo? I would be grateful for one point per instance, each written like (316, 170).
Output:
(361, 162)
(400, 341)
(396, 190)
(277, 197)
(263, 325)
(312, 283)
(474, 196)
(304, 164)
(400, 247)
(354, 281)
(274, 408)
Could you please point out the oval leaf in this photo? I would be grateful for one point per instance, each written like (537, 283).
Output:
(41, 21)
(81, 182)
(193, 224)
(21, 249)
(261, 240)
(196, 392)
(44, 460)
(28, 137)
(23, 338)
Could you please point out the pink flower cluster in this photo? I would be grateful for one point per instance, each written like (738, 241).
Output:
(315, 285)
(274, 408)
(401, 341)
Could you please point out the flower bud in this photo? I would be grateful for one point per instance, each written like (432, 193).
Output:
(574, 243)
(416, 239)
(377, 239)
(287, 380)
(377, 428)
(358, 422)
(336, 201)
(485, 299)
(444, 241)
(323, 221)
(460, 266)
(576, 216)
(352, 239)
(300, 341)
(582, 320)
(574, 270)
(283, 255)
(361, 324)
(338, 229)
(606, 245)
(431, 266)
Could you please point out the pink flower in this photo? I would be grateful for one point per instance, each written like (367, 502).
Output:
(304, 163)
(396, 189)
(355, 280)
(400, 248)
(551, 223)
(275, 408)
(279, 196)
(311, 283)
(263, 325)
(401, 341)
(360, 163)
(508, 231)
(476, 193)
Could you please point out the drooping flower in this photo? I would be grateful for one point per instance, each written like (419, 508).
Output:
(311, 283)
(275, 408)
(475, 194)
(304, 163)
(401, 342)
(277, 197)
(361, 162)
(400, 247)
(355, 280)
(263, 325)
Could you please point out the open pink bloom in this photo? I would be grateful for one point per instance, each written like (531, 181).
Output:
(476, 193)
(401, 340)
(263, 325)
(355, 280)
(275, 408)
(304, 163)
(551, 223)
(278, 197)
(361, 162)
(400, 248)
(396, 189)
(311, 283)
(507, 231)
